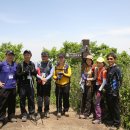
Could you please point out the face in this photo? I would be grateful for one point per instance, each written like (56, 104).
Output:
(27, 57)
(10, 57)
(89, 62)
(61, 60)
(111, 60)
(100, 64)
(44, 58)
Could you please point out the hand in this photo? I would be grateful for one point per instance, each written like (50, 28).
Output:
(98, 94)
(44, 80)
(2, 85)
(59, 77)
(84, 77)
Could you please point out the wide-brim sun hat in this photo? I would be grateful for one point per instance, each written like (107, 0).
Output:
(89, 57)
(100, 59)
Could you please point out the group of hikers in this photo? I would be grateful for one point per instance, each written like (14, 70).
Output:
(95, 79)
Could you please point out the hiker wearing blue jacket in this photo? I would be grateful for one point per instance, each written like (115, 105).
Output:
(8, 88)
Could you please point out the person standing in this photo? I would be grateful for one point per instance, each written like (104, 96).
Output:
(88, 77)
(8, 88)
(62, 74)
(114, 80)
(45, 70)
(25, 72)
(100, 83)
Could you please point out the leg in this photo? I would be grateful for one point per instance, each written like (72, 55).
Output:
(58, 93)
(12, 104)
(39, 97)
(88, 101)
(30, 96)
(3, 103)
(22, 95)
(46, 94)
(66, 104)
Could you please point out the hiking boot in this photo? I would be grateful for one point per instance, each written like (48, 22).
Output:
(38, 116)
(24, 118)
(96, 121)
(32, 117)
(47, 114)
(67, 113)
(82, 116)
(59, 114)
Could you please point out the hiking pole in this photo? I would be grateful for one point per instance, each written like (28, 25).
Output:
(60, 74)
(32, 87)
(58, 102)
(82, 83)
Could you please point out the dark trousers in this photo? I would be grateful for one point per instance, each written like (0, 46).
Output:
(43, 94)
(7, 100)
(87, 103)
(113, 108)
(62, 93)
(27, 91)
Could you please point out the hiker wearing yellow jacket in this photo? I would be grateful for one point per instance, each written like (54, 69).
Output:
(62, 74)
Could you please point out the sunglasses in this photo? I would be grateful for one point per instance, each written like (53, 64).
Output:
(110, 59)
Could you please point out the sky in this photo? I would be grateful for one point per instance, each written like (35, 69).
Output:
(48, 23)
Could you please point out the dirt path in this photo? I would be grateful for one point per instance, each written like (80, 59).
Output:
(64, 123)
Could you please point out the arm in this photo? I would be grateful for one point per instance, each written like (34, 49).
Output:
(54, 75)
(103, 84)
(51, 73)
(104, 80)
(69, 72)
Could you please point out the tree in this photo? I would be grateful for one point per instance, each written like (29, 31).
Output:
(14, 47)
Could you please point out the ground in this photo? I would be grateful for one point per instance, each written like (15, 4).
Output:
(64, 123)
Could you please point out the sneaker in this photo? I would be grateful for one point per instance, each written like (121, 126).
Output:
(82, 116)
(67, 113)
(32, 116)
(90, 116)
(13, 119)
(96, 121)
(24, 118)
(1, 124)
(38, 116)
(59, 114)
(47, 114)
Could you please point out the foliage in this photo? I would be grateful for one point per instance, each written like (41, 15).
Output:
(14, 47)
(97, 50)
(125, 97)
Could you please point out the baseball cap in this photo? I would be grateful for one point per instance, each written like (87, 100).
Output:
(44, 54)
(61, 55)
(27, 51)
(9, 52)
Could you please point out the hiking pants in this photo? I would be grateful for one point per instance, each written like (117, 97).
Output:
(27, 91)
(7, 100)
(113, 108)
(87, 101)
(62, 93)
(43, 94)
